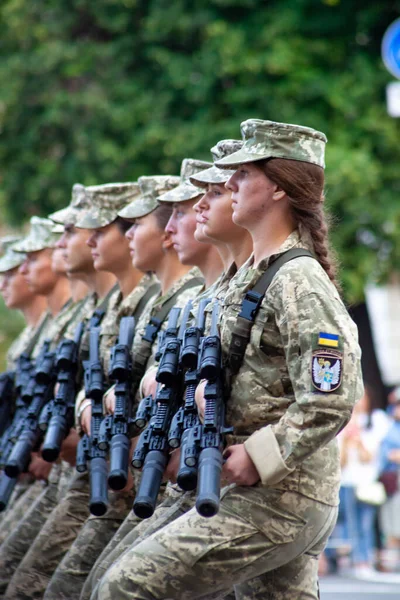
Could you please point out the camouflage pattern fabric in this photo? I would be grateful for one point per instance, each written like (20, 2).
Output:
(268, 139)
(58, 529)
(79, 202)
(186, 190)
(134, 530)
(151, 187)
(295, 449)
(196, 557)
(11, 260)
(105, 202)
(22, 342)
(118, 308)
(40, 236)
(17, 508)
(154, 308)
(290, 513)
(67, 319)
(71, 573)
(213, 174)
(17, 543)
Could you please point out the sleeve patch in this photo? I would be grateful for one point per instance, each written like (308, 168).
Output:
(326, 369)
(330, 340)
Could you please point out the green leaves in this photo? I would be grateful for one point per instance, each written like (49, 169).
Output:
(109, 91)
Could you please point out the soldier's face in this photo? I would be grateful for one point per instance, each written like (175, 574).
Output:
(252, 195)
(109, 248)
(76, 252)
(214, 214)
(181, 227)
(38, 271)
(146, 243)
(15, 290)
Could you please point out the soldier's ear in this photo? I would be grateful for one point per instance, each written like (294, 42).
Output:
(166, 241)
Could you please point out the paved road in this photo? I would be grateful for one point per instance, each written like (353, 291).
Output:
(343, 588)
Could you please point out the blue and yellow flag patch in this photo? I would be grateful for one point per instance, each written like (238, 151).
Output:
(330, 340)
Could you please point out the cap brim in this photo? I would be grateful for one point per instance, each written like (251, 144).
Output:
(11, 262)
(184, 191)
(66, 216)
(211, 175)
(239, 158)
(92, 221)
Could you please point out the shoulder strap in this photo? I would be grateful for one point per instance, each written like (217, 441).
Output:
(143, 353)
(141, 305)
(37, 334)
(251, 305)
(100, 311)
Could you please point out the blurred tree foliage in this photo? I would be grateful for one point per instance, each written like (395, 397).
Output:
(102, 91)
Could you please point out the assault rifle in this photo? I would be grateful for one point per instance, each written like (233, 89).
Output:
(115, 429)
(57, 418)
(185, 426)
(211, 432)
(24, 384)
(88, 447)
(151, 452)
(42, 392)
(6, 395)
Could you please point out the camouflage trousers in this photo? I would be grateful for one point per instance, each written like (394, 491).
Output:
(71, 573)
(18, 505)
(134, 530)
(17, 543)
(259, 532)
(60, 521)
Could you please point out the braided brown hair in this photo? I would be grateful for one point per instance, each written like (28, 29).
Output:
(303, 183)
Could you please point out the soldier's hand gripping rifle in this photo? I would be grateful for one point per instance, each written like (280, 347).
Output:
(58, 419)
(30, 436)
(151, 452)
(213, 427)
(147, 405)
(184, 430)
(88, 449)
(115, 429)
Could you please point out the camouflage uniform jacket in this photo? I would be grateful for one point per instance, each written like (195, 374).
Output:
(22, 342)
(287, 423)
(57, 327)
(156, 305)
(118, 308)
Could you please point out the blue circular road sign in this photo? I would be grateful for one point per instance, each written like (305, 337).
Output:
(391, 48)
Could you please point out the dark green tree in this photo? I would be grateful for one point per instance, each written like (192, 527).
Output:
(106, 91)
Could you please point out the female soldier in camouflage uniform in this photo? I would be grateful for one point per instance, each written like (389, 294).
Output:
(286, 404)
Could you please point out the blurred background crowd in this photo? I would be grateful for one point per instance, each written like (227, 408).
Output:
(367, 534)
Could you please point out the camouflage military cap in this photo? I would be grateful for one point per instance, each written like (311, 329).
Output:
(11, 260)
(267, 139)
(105, 202)
(40, 236)
(151, 187)
(8, 241)
(186, 190)
(213, 174)
(71, 214)
(58, 228)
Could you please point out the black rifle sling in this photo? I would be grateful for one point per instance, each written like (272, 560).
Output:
(141, 305)
(250, 307)
(34, 339)
(143, 354)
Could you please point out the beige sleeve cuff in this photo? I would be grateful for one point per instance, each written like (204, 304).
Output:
(263, 450)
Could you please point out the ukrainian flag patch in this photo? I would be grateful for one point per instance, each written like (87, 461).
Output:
(330, 340)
